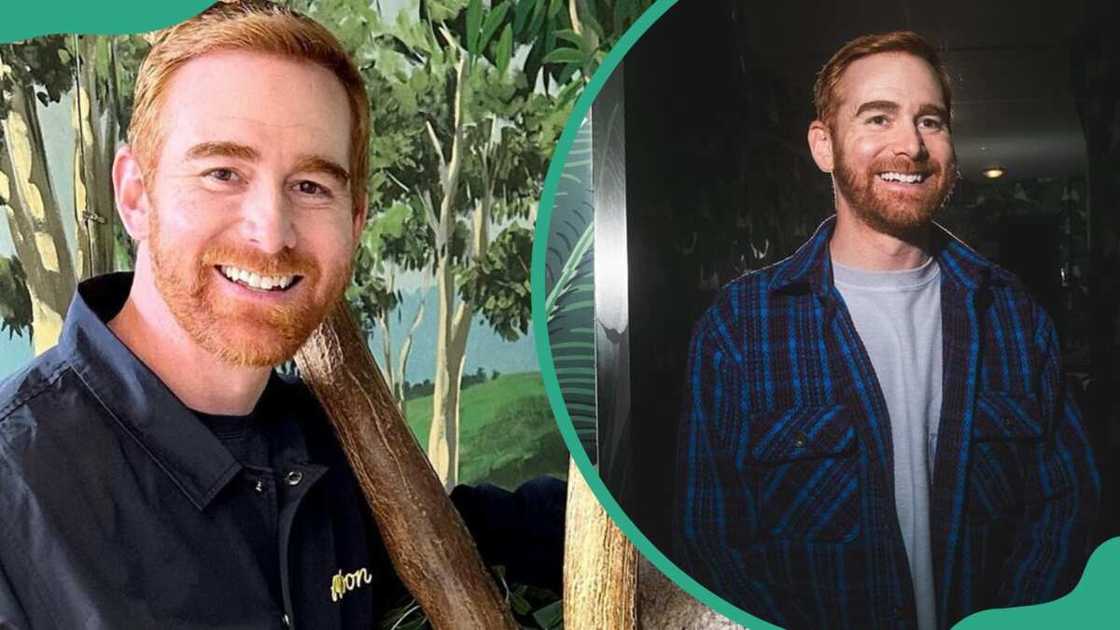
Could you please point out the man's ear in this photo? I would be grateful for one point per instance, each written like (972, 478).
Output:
(131, 194)
(820, 145)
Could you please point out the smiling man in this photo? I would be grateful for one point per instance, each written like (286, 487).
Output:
(877, 433)
(154, 471)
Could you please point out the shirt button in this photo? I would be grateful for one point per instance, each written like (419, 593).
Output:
(800, 439)
(293, 477)
(258, 487)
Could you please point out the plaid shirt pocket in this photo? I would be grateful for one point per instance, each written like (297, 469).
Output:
(1011, 468)
(806, 474)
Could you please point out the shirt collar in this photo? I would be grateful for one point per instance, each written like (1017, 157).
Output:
(141, 404)
(810, 267)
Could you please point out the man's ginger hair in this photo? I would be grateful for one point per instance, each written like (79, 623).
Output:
(255, 26)
(824, 90)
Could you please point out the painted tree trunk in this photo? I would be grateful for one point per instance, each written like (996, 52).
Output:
(451, 352)
(33, 216)
(402, 357)
(97, 128)
(426, 539)
(443, 436)
(384, 322)
(396, 372)
(600, 565)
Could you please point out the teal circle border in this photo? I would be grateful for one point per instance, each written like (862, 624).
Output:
(1088, 602)
(544, 350)
(23, 19)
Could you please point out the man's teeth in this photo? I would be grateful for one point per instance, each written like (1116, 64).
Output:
(906, 178)
(256, 281)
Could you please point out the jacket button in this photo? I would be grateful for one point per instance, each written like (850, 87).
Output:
(293, 477)
(287, 621)
(800, 439)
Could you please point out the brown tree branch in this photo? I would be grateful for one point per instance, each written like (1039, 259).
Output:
(425, 537)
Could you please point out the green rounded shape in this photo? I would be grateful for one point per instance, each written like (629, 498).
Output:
(1088, 602)
(23, 20)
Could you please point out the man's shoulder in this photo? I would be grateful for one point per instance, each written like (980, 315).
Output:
(46, 416)
(748, 293)
(756, 280)
(25, 387)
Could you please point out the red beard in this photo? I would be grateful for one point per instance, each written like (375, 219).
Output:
(240, 332)
(899, 213)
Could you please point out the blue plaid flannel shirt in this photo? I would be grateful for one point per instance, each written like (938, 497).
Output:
(785, 503)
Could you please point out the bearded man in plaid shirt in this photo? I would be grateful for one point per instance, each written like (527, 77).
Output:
(876, 432)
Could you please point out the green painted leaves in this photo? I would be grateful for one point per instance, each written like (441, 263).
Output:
(570, 286)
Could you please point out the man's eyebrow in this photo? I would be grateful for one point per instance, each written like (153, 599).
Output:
(889, 107)
(319, 164)
(222, 149)
(934, 110)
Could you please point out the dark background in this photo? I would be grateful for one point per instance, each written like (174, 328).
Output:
(720, 182)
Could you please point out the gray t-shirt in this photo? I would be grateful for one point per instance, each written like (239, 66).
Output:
(898, 317)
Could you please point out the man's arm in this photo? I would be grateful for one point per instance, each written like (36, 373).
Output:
(1054, 538)
(714, 514)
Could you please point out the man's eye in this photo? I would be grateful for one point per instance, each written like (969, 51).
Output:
(931, 123)
(221, 174)
(308, 187)
(877, 120)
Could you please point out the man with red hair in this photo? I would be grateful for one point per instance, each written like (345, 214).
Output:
(155, 472)
(877, 433)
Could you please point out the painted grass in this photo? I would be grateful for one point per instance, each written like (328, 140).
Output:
(508, 433)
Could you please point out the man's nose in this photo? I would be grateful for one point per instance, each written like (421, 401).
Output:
(909, 142)
(267, 220)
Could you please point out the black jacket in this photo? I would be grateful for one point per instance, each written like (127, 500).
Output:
(120, 509)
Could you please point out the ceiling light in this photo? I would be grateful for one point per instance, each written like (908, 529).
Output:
(993, 172)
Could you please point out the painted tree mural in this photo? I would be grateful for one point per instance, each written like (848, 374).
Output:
(36, 71)
(469, 99)
(34, 74)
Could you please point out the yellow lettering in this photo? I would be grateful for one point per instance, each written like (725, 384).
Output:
(341, 583)
(338, 589)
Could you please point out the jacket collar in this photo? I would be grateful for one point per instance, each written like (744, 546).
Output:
(810, 267)
(196, 461)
